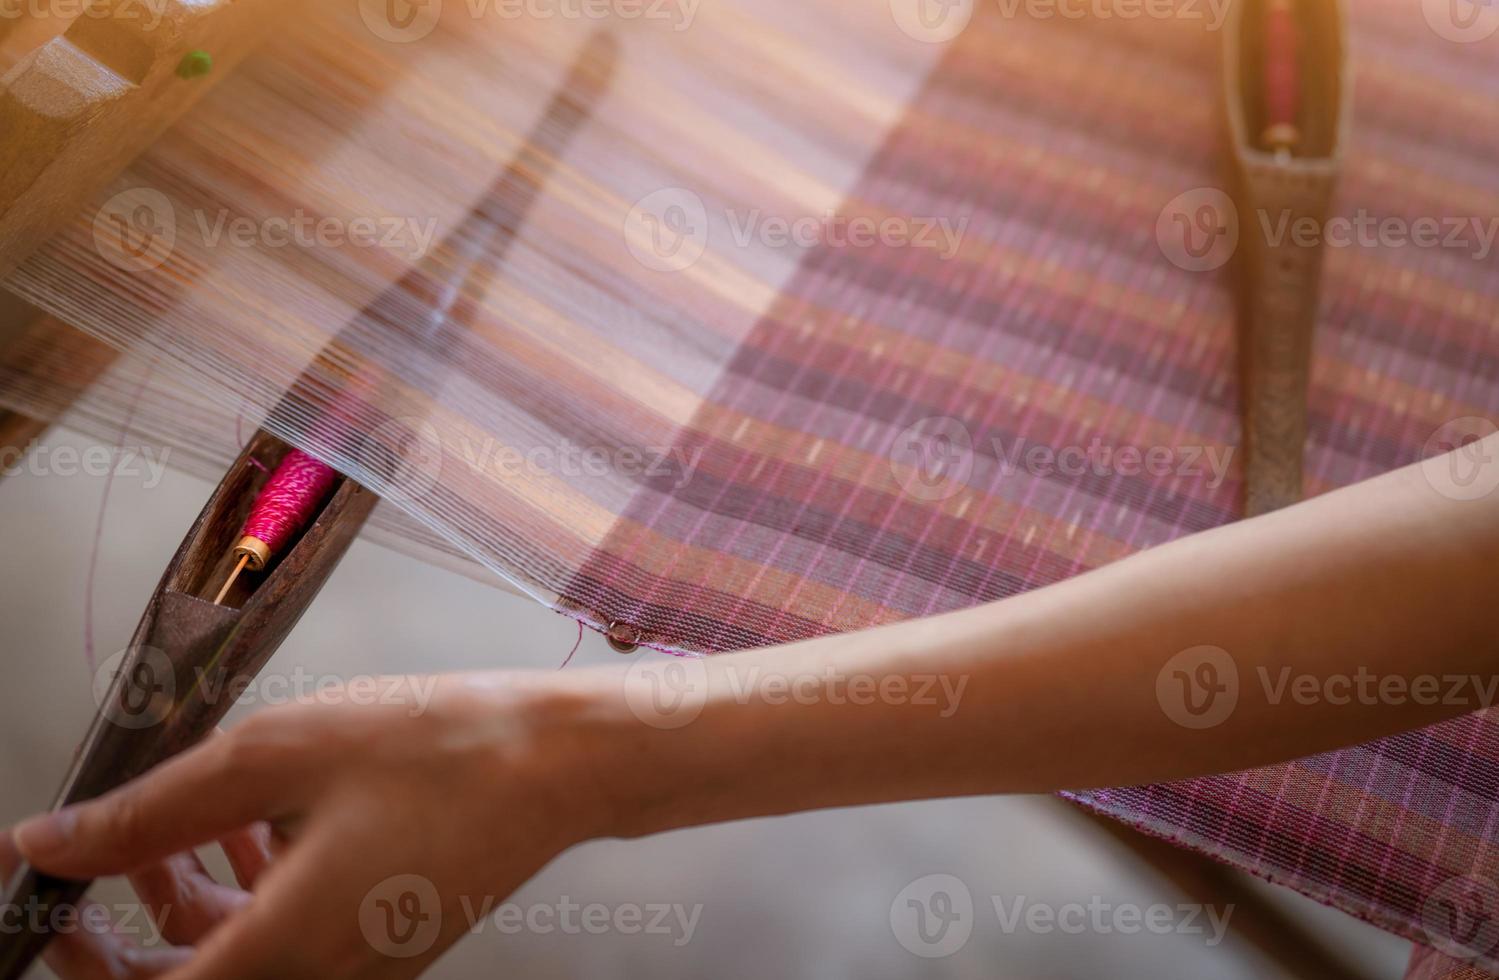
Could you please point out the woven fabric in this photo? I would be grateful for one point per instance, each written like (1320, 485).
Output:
(1429, 964)
(858, 457)
(453, 217)
(859, 416)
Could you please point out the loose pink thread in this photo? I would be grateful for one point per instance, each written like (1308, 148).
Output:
(576, 644)
(294, 491)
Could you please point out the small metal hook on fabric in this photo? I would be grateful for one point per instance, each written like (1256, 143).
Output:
(622, 637)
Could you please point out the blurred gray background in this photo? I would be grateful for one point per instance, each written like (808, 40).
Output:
(814, 895)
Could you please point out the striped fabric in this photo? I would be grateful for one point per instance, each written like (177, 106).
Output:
(859, 457)
(1021, 377)
(1429, 964)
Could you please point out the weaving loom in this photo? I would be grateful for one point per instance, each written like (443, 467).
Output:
(767, 408)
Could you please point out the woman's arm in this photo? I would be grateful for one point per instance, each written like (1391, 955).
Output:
(1363, 612)
(1367, 611)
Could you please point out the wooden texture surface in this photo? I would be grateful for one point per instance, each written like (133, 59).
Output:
(81, 96)
(1280, 279)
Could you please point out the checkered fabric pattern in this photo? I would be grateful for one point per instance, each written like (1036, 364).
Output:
(859, 456)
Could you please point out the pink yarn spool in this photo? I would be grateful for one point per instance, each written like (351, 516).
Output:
(288, 501)
(1282, 75)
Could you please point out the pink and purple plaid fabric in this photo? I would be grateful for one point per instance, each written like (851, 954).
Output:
(859, 456)
(1035, 382)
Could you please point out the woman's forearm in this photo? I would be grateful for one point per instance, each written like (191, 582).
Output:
(1331, 617)
(1363, 612)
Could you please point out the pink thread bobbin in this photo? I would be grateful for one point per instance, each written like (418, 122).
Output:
(291, 496)
(1282, 76)
(287, 502)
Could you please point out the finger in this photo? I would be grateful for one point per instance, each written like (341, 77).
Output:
(205, 793)
(105, 956)
(185, 900)
(90, 948)
(249, 850)
(278, 934)
(249, 853)
(10, 856)
(306, 922)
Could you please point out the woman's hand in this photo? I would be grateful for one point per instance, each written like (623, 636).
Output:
(398, 823)
(389, 825)
(183, 900)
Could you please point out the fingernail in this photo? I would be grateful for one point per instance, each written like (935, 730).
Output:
(46, 834)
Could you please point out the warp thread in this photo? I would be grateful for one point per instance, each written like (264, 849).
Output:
(98, 541)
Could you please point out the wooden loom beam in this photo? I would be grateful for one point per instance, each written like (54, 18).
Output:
(82, 96)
